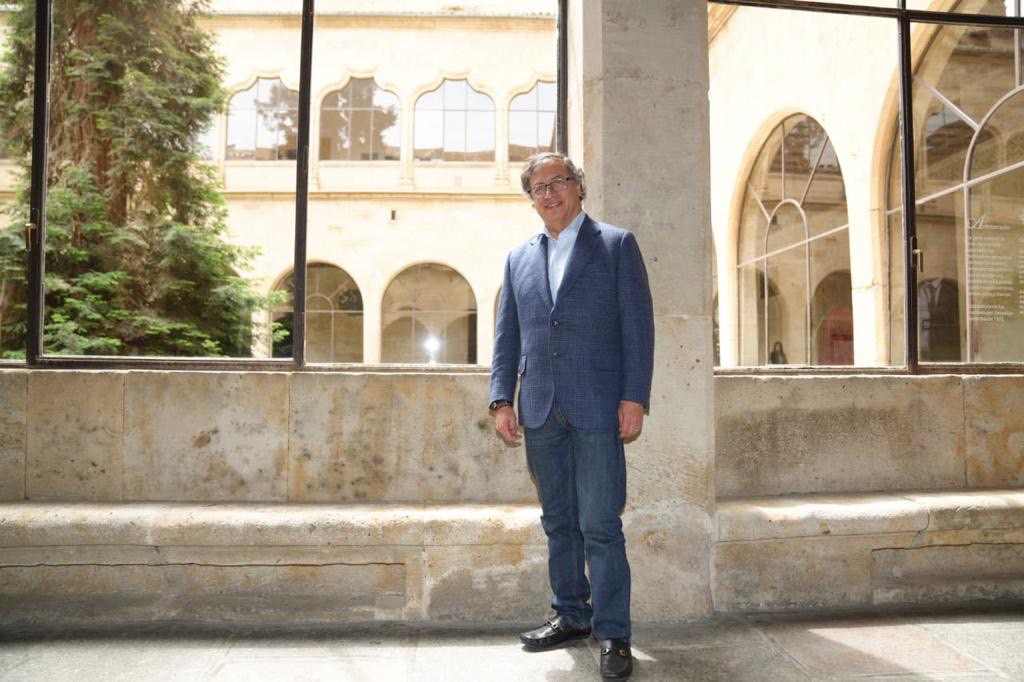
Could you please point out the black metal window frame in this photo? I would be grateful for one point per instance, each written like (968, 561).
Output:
(904, 18)
(35, 230)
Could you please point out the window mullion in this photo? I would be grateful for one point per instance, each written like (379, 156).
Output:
(302, 185)
(910, 251)
(36, 227)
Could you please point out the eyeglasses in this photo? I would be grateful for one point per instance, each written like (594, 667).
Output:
(557, 184)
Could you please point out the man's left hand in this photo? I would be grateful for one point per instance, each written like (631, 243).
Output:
(631, 419)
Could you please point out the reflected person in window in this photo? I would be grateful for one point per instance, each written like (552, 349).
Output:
(575, 330)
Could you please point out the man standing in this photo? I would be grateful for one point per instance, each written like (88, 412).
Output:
(576, 328)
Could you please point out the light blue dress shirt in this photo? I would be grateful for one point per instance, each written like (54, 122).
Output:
(559, 251)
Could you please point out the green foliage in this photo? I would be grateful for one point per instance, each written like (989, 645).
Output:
(137, 257)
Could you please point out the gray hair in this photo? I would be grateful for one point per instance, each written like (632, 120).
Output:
(538, 160)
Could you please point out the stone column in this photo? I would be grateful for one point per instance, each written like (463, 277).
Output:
(638, 122)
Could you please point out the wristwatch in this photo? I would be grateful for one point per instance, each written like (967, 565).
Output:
(495, 404)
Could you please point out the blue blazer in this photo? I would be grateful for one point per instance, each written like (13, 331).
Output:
(588, 351)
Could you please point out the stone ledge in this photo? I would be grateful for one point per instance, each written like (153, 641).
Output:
(43, 524)
(89, 562)
(801, 516)
(851, 551)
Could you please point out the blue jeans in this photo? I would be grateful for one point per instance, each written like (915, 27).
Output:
(581, 479)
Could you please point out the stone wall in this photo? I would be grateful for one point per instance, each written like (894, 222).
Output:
(823, 434)
(427, 437)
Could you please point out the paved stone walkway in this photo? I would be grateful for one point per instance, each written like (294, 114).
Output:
(962, 644)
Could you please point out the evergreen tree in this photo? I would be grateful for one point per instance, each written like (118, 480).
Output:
(137, 260)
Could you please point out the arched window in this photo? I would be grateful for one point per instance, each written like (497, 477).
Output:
(531, 122)
(429, 316)
(263, 122)
(334, 316)
(793, 236)
(359, 122)
(969, 168)
(454, 123)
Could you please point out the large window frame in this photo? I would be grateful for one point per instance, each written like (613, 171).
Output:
(35, 228)
(912, 255)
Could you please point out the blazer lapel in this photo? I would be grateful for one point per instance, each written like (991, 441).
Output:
(586, 240)
(539, 266)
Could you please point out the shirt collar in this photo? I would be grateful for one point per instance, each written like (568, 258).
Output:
(572, 230)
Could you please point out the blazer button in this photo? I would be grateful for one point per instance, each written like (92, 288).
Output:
(555, 323)
(555, 354)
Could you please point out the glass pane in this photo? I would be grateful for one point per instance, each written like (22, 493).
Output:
(421, 311)
(431, 101)
(15, 173)
(968, 66)
(1006, 8)
(148, 251)
(765, 179)
(454, 135)
(362, 135)
(969, 297)
(896, 290)
(825, 201)
(522, 134)
(547, 96)
(940, 303)
(753, 222)
(831, 300)
(803, 142)
(334, 133)
(996, 261)
(480, 136)
(786, 228)
(751, 316)
(1001, 141)
(455, 94)
(787, 310)
(429, 135)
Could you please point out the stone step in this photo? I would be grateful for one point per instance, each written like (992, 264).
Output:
(856, 550)
(123, 562)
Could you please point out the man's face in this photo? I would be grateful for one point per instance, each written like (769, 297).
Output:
(555, 208)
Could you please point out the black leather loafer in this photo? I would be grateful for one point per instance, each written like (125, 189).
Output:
(556, 631)
(616, 659)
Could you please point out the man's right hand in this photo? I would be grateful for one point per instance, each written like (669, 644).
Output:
(506, 424)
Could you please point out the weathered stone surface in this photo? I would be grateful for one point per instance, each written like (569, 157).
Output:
(75, 435)
(29, 524)
(949, 563)
(13, 425)
(496, 582)
(780, 435)
(672, 458)
(479, 524)
(200, 592)
(206, 436)
(400, 437)
(763, 518)
(994, 430)
(972, 509)
(800, 573)
(669, 548)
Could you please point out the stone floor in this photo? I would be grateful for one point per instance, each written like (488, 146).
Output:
(961, 644)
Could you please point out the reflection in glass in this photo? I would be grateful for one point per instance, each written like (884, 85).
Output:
(794, 224)
(831, 300)
(970, 215)
(531, 122)
(359, 122)
(334, 316)
(429, 317)
(454, 123)
(263, 122)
